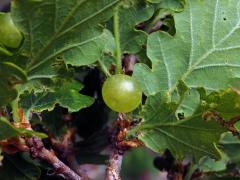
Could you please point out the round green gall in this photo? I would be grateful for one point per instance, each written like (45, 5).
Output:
(122, 93)
(10, 36)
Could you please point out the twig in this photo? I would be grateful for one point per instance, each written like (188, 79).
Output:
(156, 27)
(66, 152)
(116, 153)
(114, 166)
(38, 150)
(128, 62)
(120, 144)
(13, 145)
(73, 164)
(229, 125)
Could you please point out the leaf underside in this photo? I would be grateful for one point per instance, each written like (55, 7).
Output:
(191, 136)
(204, 52)
(68, 30)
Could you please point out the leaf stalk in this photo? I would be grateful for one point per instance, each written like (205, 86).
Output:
(14, 105)
(117, 42)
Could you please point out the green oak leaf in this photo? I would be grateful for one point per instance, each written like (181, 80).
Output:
(67, 96)
(189, 103)
(10, 74)
(154, 1)
(226, 103)
(143, 158)
(54, 123)
(191, 136)
(68, 30)
(175, 5)
(131, 39)
(7, 93)
(29, 133)
(230, 145)
(207, 164)
(10, 70)
(9, 131)
(204, 52)
(15, 167)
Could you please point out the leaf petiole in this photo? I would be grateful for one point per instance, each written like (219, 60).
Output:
(5, 51)
(117, 42)
(14, 105)
(104, 68)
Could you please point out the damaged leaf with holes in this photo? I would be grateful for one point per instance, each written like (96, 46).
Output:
(67, 29)
(201, 53)
(192, 136)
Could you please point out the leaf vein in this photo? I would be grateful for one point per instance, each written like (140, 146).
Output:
(216, 65)
(214, 24)
(183, 142)
(165, 64)
(191, 35)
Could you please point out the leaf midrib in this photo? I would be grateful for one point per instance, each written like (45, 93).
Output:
(183, 142)
(148, 125)
(212, 50)
(58, 33)
(170, 125)
(62, 50)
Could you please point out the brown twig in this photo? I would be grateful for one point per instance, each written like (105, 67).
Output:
(155, 27)
(128, 62)
(67, 152)
(114, 166)
(120, 144)
(228, 124)
(38, 150)
(13, 145)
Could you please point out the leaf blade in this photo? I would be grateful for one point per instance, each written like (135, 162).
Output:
(200, 52)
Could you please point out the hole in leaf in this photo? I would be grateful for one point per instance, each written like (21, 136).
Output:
(59, 57)
(180, 115)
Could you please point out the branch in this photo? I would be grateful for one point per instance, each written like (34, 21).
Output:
(228, 124)
(66, 152)
(114, 166)
(120, 144)
(38, 150)
(71, 159)
(129, 61)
